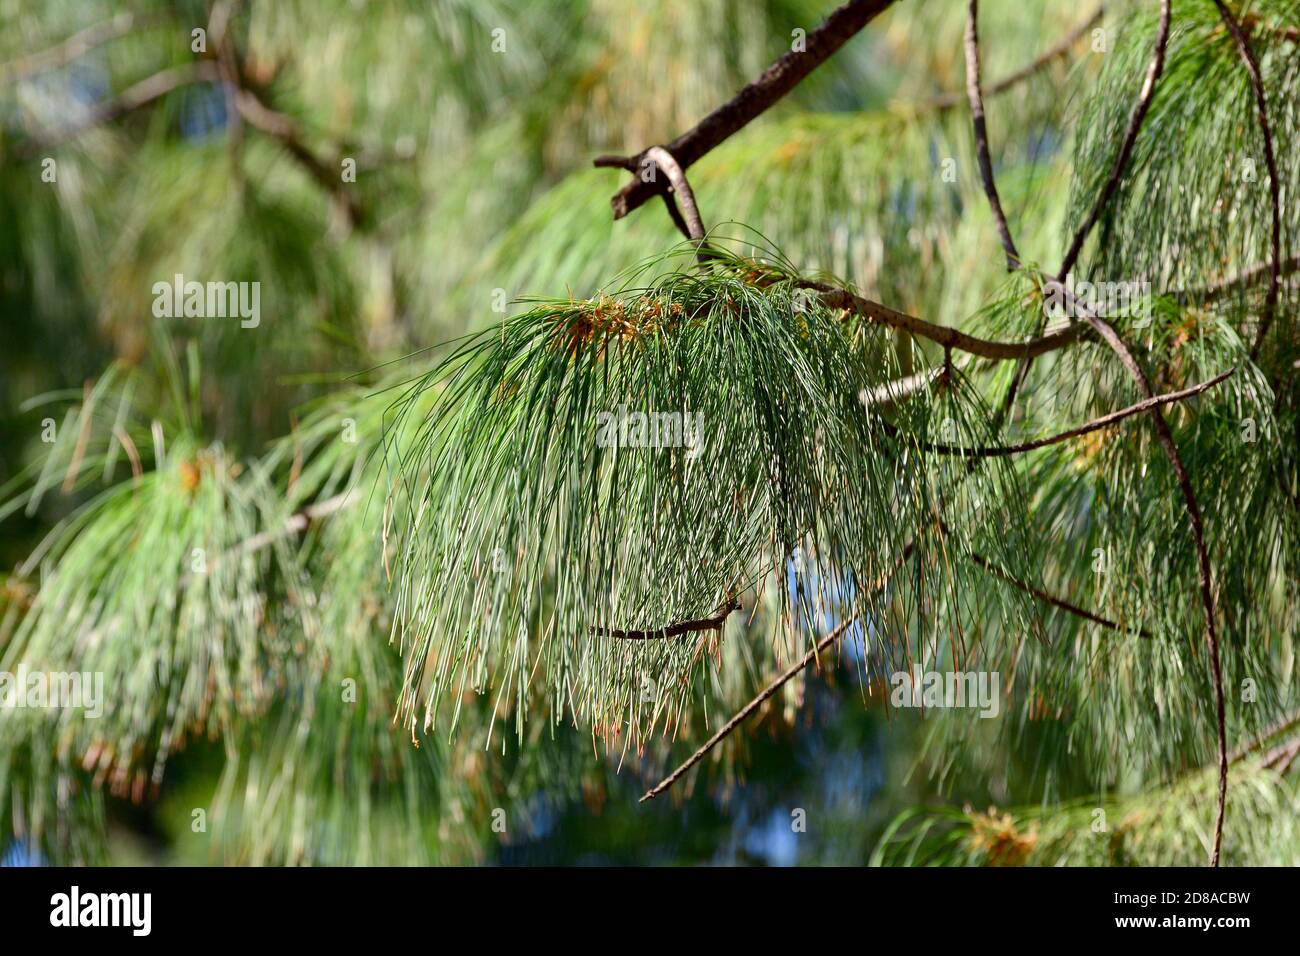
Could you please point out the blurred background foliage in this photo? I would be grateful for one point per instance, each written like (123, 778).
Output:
(262, 694)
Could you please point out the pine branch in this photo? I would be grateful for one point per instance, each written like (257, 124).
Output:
(225, 70)
(296, 523)
(1280, 727)
(692, 226)
(299, 521)
(1126, 148)
(1236, 283)
(744, 713)
(1105, 421)
(1064, 605)
(75, 46)
(890, 393)
(1111, 337)
(282, 128)
(1282, 757)
(774, 83)
(947, 101)
(133, 98)
(663, 159)
(1274, 184)
(674, 630)
(982, 134)
(1136, 118)
(950, 338)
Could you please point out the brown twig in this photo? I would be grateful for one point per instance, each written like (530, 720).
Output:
(1166, 439)
(1161, 426)
(663, 160)
(282, 128)
(982, 134)
(83, 438)
(947, 101)
(743, 714)
(1105, 421)
(1283, 725)
(297, 522)
(774, 83)
(1234, 283)
(674, 630)
(226, 71)
(688, 219)
(129, 100)
(837, 298)
(137, 468)
(1064, 605)
(1281, 759)
(890, 393)
(748, 709)
(1274, 184)
(1136, 118)
(1251, 21)
(1126, 148)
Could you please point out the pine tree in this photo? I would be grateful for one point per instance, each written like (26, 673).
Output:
(387, 480)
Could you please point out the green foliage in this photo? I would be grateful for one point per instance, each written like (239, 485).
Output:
(641, 459)
(1168, 826)
(324, 608)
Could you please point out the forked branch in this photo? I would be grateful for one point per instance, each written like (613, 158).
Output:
(134, 97)
(951, 339)
(774, 83)
(947, 101)
(1136, 118)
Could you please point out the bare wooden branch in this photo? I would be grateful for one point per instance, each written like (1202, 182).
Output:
(947, 101)
(285, 130)
(976, 98)
(132, 98)
(1274, 184)
(774, 83)
(744, 713)
(1064, 605)
(674, 630)
(952, 339)
(1166, 439)
(1105, 421)
(1126, 148)
(663, 160)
